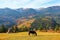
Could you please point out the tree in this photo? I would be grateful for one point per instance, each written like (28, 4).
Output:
(53, 24)
(2, 28)
(40, 27)
(15, 28)
(57, 28)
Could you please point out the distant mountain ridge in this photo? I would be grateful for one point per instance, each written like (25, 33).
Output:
(11, 15)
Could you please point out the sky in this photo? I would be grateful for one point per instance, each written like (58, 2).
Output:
(14, 4)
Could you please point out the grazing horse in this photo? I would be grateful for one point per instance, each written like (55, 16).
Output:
(32, 32)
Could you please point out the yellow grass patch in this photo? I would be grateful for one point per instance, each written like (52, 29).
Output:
(25, 36)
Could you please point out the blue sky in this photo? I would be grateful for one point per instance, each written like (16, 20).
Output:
(28, 3)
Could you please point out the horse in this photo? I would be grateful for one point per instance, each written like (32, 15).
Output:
(32, 32)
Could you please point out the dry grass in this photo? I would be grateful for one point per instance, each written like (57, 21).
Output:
(25, 36)
(26, 23)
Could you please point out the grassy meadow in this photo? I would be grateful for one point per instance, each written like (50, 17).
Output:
(25, 36)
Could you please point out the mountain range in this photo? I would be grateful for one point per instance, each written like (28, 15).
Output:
(10, 16)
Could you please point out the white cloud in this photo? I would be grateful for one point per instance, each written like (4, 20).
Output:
(13, 3)
(25, 3)
(36, 3)
(49, 4)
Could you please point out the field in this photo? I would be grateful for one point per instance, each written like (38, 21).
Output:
(25, 36)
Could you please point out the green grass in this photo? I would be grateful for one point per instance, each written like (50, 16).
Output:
(25, 36)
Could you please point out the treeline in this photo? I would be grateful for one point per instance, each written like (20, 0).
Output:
(45, 24)
(12, 29)
(42, 24)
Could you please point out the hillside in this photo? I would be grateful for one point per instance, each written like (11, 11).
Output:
(26, 23)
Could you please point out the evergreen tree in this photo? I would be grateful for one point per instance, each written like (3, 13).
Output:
(2, 28)
(56, 28)
(40, 27)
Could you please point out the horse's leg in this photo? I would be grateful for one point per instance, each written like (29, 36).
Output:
(36, 34)
(29, 33)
